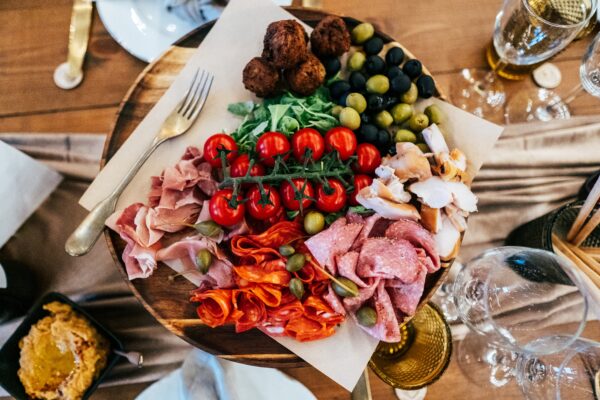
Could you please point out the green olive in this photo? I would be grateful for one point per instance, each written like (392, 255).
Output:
(423, 146)
(383, 119)
(295, 262)
(286, 250)
(366, 316)
(297, 288)
(357, 61)
(435, 114)
(350, 118)
(404, 135)
(401, 112)
(378, 84)
(356, 101)
(341, 290)
(314, 222)
(208, 228)
(362, 32)
(203, 260)
(336, 110)
(411, 94)
(418, 122)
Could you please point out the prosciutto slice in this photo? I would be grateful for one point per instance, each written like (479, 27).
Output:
(418, 237)
(335, 240)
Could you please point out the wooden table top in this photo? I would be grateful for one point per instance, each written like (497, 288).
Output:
(447, 35)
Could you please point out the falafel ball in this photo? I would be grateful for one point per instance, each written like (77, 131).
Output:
(306, 77)
(261, 77)
(330, 38)
(285, 43)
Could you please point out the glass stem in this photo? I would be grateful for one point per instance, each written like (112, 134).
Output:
(569, 97)
(490, 77)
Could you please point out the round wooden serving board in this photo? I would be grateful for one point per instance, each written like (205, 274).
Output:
(168, 301)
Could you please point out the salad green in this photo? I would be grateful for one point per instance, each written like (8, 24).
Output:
(286, 113)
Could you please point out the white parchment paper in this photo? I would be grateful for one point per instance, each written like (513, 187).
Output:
(236, 38)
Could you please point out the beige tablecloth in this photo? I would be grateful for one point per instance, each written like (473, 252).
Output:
(534, 169)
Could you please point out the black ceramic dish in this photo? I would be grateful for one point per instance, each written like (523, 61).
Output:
(9, 354)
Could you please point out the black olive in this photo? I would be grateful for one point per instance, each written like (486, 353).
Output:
(338, 88)
(393, 72)
(365, 118)
(357, 80)
(400, 84)
(394, 56)
(425, 86)
(342, 99)
(332, 66)
(375, 102)
(413, 68)
(375, 65)
(392, 150)
(368, 133)
(373, 45)
(390, 100)
(383, 141)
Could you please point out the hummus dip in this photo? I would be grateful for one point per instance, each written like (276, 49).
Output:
(61, 355)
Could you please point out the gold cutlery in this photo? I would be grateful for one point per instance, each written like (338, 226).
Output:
(178, 122)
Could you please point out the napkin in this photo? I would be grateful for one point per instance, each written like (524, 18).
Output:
(24, 185)
(236, 38)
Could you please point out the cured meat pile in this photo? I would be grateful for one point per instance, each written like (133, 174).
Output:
(261, 297)
(388, 261)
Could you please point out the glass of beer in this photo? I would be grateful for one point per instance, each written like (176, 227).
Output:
(526, 33)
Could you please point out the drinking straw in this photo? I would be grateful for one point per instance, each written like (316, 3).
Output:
(584, 212)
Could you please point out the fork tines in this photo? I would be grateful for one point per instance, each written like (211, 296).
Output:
(196, 95)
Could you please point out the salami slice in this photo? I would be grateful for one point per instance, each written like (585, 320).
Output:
(346, 266)
(387, 328)
(388, 259)
(406, 296)
(417, 236)
(337, 239)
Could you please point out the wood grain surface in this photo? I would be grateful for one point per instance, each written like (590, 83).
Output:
(446, 34)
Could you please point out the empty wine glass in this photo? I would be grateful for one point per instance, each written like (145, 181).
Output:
(572, 374)
(546, 105)
(526, 33)
(509, 297)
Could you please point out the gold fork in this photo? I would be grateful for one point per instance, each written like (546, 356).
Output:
(178, 122)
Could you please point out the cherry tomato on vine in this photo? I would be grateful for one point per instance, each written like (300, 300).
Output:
(341, 139)
(360, 182)
(334, 201)
(216, 142)
(288, 195)
(260, 211)
(221, 211)
(368, 158)
(308, 138)
(272, 144)
(239, 167)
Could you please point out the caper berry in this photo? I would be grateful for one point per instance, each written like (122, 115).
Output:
(297, 288)
(418, 122)
(411, 94)
(378, 84)
(401, 112)
(356, 101)
(336, 110)
(286, 250)
(208, 228)
(314, 222)
(383, 119)
(341, 290)
(423, 146)
(366, 316)
(435, 114)
(357, 61)
(404, 135)
(349, 118)
(295, 262)
(203, 260)
(362, 32)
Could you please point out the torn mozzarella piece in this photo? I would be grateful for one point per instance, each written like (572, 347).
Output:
(433, 192)
(447, 239)
(435, 139)
(368, 198)
(463, 197)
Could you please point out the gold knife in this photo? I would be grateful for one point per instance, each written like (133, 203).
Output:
(69, 74)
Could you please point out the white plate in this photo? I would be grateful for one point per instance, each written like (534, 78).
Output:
(145, 28)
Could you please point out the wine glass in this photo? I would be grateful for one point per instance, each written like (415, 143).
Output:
(572, 374)
(509, 297)
(545, 105)
(526, 33)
